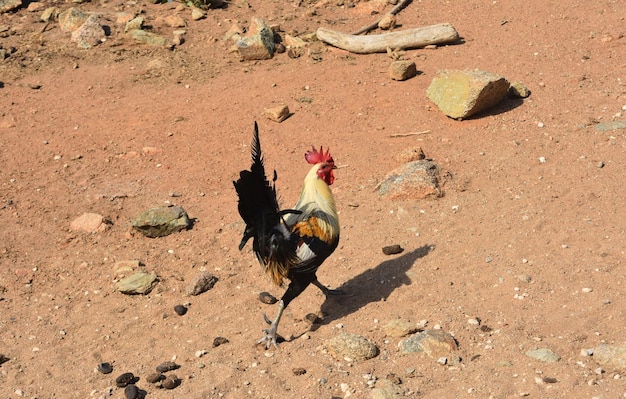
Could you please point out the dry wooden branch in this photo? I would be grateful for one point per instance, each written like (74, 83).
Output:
(409, 38)
(409, 134)
(399, 7)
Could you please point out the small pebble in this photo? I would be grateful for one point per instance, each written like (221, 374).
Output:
(166, 366)
(124, 379)
(312, 318)
(170, 382)
(131, 391)
(392, 249)
(180, 309)
(298, 371)
(219, 341)
(394, 378)
(268, 298)
(154, 378)
(105, 368)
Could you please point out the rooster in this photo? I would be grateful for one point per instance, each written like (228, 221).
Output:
(290, 243)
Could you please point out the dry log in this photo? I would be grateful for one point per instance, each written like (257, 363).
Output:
(409, 38)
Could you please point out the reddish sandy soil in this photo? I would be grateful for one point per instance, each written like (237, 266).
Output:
(119, 128)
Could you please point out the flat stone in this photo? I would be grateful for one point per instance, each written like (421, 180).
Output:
(401, 328)
(413, 180)
(89, 222)
(352, 346)
(460, 94)
(137, 284)
(161, 221)
(434, 343)
(149, 38)
(543, 354)
(611, 356)
(612, 125)
(402, 70)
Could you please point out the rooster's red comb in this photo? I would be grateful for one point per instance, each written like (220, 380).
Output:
(314, 156)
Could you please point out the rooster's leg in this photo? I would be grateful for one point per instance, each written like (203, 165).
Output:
(327, 291)
(271, 332)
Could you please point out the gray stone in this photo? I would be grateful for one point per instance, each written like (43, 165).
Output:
(402, 70)
(149, 38)
(90, 33)
(71, 19)
(258, 44)
(543, 354)
(386, 389)
(201, 283)
(434, 343)
(460, 94)
(161, 221)
(611, 356)
(413, 180)
(352, 346)
(134, 24)
(612, 125)
(139, 283)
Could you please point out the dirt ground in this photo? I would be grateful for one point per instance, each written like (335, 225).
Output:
(123, 127)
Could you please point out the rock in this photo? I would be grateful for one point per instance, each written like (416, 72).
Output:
(133, 24)
(197, 14)
(105, 368)
(518, 90)
(401, 328)
(125, 266)
(170, 382)
(175, 21)
(153, 378)
(9, 5)
(131, 391)
(460, 94)
(217, 341)
(435, 343)
(298, 371)
(543, 354)
(413, 180)
(402, 70)
(89, 222)
(611, 356)
(294, 42)
(611, 125)
(278, 113)
(388, 21)
(139, 283)
(180, 310)
(147, 37)
(49, 14)
(71, 19)
(352, 346)
(124, 379)
(167, 366)
(201, 283)
(392, 249)
(90, 33)
(258, 44)
(410, 155)
(267, 298)
(386, 389)
(161, 221)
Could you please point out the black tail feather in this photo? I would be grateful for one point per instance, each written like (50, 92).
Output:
(258, 207)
